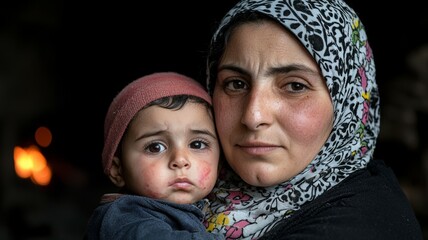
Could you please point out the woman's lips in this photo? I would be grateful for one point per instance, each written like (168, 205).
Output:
(257, 148)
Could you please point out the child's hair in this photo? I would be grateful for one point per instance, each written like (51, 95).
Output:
(176, 102)
(149, 89)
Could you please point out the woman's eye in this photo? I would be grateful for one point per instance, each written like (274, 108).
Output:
(296, 87)
(198, 144)
(155, 148)
(234, 85)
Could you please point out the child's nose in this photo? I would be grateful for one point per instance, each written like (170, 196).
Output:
(179, 160)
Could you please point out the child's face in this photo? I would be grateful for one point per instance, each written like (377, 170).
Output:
(171, 154)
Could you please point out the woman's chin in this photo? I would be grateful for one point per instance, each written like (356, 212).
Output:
(260, 178)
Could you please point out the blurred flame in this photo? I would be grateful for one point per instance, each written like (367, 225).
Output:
(30, 162)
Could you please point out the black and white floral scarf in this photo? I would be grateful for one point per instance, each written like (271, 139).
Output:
(335, 37)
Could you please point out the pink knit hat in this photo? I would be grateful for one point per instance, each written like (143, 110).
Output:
(134, 97)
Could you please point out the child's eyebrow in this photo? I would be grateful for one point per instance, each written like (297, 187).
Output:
(205, 132)
(150, 134)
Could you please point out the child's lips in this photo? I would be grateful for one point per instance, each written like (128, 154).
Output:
(182, 183)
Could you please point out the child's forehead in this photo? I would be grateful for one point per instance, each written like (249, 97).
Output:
(191, 108)
(192, 117)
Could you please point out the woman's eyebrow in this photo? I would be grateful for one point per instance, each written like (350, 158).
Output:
(291, 68)
(273, 70)
(234, 68)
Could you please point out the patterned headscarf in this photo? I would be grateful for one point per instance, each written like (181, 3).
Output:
(334, 35)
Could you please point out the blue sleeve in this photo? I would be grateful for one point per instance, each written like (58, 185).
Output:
(130, 219)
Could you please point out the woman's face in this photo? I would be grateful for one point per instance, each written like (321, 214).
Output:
(272, 107)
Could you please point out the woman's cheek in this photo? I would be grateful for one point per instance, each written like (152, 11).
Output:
(223, 117)
(313, 124)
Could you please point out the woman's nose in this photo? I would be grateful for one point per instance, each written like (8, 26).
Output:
(179, 159)
(257, 113)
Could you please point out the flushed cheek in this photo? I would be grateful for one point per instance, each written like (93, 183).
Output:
(150, 187)
(312, 125)
(205, 177)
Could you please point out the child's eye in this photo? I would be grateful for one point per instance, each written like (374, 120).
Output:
(199, 144)
(155, 147)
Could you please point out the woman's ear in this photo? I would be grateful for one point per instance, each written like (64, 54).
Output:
(115, 173)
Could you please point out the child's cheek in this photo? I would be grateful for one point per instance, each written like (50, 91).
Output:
(205, 177)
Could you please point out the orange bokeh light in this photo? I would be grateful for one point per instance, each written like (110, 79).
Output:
(43, 136)
(30, 162)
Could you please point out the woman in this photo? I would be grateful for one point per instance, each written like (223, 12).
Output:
(297, 110)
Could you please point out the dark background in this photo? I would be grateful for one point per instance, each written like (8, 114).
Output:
(62, 62)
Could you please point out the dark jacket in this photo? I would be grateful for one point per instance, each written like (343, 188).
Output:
(369, 204)
(136, 217)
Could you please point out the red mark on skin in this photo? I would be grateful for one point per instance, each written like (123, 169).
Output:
(204, 176)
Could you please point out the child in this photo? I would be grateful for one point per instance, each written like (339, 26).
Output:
(161, 150)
